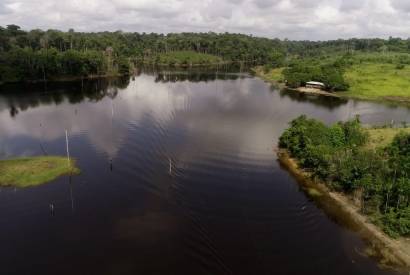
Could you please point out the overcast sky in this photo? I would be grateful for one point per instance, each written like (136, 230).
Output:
(293, 19)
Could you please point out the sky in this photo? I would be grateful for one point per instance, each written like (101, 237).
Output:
(292, 19)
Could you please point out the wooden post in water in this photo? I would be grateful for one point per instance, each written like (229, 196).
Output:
(68, 152)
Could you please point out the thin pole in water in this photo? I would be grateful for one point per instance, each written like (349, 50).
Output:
(170, 166)
(112, 130)
(52, 209)
(66, 141)
(71, 193)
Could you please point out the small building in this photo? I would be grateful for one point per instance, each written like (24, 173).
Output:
(315, 85)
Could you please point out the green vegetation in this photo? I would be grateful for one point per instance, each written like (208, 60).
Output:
(345, 156)
(50, 55)
(370, 75)
(186, 58)
(268, 73)
(379, 81)
(331, 75)
(39, 55)
(381, 137)
(328, 70)
(54, 55)
(25, 172)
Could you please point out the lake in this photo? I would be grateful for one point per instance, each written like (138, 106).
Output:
(179, 176)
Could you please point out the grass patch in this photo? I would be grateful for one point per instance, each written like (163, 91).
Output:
(313, 192)
(381, 137)
(33, 171)
(272, 75)
(378, 81)
(275, 75)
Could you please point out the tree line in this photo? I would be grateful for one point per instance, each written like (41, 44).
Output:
(44, 55)
(338, 156)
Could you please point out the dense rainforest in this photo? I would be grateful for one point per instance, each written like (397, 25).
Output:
(53, 54)
(361, 161)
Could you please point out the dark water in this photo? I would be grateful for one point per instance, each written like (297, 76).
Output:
(178, 177)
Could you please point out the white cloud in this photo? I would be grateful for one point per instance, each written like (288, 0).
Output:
(401, 5)
(294, 19)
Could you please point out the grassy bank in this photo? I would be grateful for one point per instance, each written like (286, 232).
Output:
(274, 75)
(381, 82)
(276, 78)
(378, 81)
(33, 171)
(370, 76)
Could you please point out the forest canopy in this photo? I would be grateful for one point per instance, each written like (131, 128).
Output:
(43, 55)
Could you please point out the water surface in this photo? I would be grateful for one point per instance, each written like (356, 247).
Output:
(178, 176)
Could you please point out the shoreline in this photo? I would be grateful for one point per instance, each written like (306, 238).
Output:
(346, 94)
(259, 73)
(69, 78)
(312, 91)
(280, 85)
(64, 79)
(391, 252)
(185, 65)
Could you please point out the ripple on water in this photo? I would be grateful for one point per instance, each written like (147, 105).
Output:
(180, 179)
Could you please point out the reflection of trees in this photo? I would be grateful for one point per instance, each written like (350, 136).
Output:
(322, 101)
(194, 76)
(56, 93)
(197, 74)
(21, 97)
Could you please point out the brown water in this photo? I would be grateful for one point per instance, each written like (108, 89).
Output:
(178, 177)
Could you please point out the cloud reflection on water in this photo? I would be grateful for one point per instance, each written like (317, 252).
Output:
(242, 110)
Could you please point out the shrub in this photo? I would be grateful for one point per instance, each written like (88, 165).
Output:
(336, 154)
(400, 66)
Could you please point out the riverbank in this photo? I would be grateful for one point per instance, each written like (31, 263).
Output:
(368, 81)
(67, 78)
(312, 91)
(186, 65)
(392, 252)
(275, 77)
(378, 81)
(34, 171)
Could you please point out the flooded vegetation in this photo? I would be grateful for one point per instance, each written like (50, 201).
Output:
(178, 176)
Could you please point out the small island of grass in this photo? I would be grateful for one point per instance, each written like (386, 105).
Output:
(33, 171)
